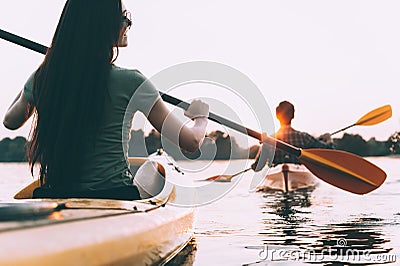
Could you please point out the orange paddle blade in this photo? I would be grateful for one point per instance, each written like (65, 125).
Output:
(225, 178)
(343, 170)
(221, 178)
(375, 116)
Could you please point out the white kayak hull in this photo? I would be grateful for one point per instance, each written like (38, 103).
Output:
(101, 232)
(297, 177)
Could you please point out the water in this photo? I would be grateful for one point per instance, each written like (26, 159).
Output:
(323, 226)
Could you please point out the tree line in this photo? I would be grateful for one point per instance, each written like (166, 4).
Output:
(216, 146)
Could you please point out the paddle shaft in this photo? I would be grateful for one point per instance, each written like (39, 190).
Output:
(23, 42)
(343, 129)
(241, 172)
(233, 125)
(169, 99)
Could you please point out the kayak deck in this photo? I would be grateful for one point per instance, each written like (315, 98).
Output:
(96, 237)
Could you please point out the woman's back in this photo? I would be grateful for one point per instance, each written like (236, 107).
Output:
(103, 162)
(105, 165)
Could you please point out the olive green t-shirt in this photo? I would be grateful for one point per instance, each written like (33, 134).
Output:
(106, 167)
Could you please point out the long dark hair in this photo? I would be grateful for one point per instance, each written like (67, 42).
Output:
(70, 89)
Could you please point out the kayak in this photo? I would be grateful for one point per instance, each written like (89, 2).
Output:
(97, 231)
(288, 177)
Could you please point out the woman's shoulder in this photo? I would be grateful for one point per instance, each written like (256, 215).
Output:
(127, 73)
(125, 79)
(132, 81)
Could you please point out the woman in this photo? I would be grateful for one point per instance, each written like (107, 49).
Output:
(79, 98)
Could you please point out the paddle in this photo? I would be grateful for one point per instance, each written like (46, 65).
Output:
(373, 117)
(341, 169)
(226, 178)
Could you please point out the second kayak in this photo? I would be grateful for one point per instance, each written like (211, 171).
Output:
(288, 177)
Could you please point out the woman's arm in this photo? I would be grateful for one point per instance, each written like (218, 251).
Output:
(187, 138)
(18, 113)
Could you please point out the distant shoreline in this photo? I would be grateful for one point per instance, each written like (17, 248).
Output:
(217, 146)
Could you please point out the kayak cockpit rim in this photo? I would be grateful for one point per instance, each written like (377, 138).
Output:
(167, 193)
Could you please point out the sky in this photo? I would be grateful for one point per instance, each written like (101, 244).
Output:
(334, 60)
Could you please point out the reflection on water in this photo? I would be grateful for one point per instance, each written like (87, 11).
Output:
(285, 216)
(287, 205)
(289, 225)
(186, 256)
(318, 225)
